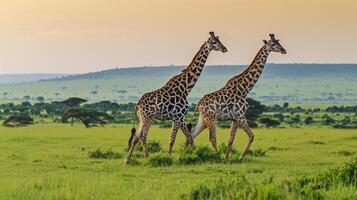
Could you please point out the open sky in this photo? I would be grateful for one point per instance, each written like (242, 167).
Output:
(75, 36)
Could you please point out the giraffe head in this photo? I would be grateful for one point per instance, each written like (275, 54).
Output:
(215, 44)
(274, 45)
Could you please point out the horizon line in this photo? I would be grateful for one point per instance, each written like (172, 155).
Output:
(155, 66)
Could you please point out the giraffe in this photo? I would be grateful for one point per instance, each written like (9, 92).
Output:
(229, 102)
(170, 101)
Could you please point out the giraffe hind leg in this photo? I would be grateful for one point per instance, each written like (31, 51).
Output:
(187, 133)
(212, 133)
(143, 137)
(200, 126)
(245, 127)
(137, 137)
(131, 149)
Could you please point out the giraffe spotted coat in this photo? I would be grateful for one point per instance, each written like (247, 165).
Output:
(170, 101)
(229, 103)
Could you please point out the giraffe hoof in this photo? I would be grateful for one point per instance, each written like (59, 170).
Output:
(126, 161)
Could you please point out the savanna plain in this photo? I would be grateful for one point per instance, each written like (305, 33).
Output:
(57, 161)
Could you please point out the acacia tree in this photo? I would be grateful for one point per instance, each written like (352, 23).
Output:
(89, 118)
(255, 109)
(72, 102)
(18, 120)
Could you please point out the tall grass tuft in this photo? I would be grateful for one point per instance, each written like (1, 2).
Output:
(101, 154)
(198, 155)
(153, 147)
(159, 160)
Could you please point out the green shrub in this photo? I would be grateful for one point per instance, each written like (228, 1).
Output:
(223, 149)
(159, 160)
(259, 152)
(343, 178)
(206, 154)
(187, 158)
(235, 188)
(153, 146)
(100, 154)
(198, 155)
(345, 175)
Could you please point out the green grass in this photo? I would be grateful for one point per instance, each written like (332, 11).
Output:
(51, 161)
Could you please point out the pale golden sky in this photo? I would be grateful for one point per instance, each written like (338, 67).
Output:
(75, 36)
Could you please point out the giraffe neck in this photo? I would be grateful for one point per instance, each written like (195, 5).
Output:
(191, 73)
(249, 77)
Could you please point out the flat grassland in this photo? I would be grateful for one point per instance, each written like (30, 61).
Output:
(50, 161)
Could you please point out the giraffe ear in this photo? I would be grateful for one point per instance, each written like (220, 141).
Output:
(211, 33)
(265, 42)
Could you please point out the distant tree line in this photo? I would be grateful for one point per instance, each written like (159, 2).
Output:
(99, 113)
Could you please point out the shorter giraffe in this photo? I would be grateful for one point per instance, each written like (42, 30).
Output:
(229, 103)
(170, 101)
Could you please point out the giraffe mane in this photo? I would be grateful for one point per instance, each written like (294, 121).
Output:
(246, 69)
(193, 59)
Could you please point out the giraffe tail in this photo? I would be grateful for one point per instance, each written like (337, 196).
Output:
(133, 130)
(189, 125)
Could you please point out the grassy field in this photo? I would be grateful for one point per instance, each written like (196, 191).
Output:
(51, 161)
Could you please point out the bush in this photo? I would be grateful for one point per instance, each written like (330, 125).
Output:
(99, 154)
(188, 157)
(198, 155)
(235, 188)
(317, 188)
(206, 154)
(269, 122)
(159, 160)
(153, 147)
(308, 120)
(345, 175)
(223, 149)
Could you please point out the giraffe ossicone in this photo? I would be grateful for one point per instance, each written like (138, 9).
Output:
(229, 102)
(170, 101)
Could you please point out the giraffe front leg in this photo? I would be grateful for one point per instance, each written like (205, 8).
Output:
(244, 125)
(234, 127)
(174, 130)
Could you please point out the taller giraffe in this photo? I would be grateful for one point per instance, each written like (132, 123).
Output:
(229, 103)
(170, 101)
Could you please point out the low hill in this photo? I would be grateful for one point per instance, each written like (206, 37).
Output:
(295, 83)
(20, 78)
